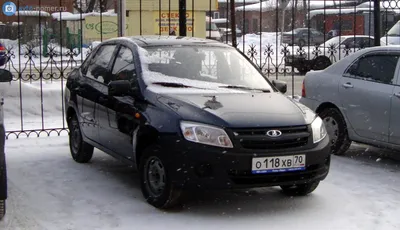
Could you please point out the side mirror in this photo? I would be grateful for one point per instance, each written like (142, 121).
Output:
(120, 88)
(342, 46)
(280, 85)
(5, 75)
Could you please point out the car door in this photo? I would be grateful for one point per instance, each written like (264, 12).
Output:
(91, 88)
(394, 128)
(116, 128)
(366, 90)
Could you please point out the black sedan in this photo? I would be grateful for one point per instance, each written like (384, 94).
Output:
(191, 113)
(5, 76)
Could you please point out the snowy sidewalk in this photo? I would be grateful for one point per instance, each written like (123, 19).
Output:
(49, 191)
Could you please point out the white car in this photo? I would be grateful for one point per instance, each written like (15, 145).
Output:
(392, 37)
(312, 58)
(358, 97)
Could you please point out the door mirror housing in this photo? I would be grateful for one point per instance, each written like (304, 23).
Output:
(280, 85)
(122, 88)
(5, 75)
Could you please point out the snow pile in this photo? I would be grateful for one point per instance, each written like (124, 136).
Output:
(62, 54)
(32, 13)
(30, 106)
(266, 48)
(67, 16)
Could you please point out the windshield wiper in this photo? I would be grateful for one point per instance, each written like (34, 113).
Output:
(245, 88)
(174, 85)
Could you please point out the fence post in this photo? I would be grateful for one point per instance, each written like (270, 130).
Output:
(45, 42)
(233, 23)
(79, 40)
(377, 22)
(182, 18)
(121, 18)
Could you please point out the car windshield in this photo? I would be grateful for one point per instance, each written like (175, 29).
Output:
(395, 30)
(201, 66)
(211, 26)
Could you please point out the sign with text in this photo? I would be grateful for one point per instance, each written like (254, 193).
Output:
(165, 21)
(106, 28)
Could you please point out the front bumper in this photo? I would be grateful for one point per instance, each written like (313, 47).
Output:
(198, 166)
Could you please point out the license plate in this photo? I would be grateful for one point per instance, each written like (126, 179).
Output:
(262, 165)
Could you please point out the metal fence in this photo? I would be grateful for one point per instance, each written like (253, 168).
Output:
(284, 38)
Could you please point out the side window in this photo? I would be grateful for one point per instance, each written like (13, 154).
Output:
(98, 66)
(377, 68)
(349, 43)
(124, 66)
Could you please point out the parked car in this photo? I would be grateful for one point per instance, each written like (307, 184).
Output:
(3, 55)
(5, 76)
(212, 31)
(392, 37)
(225, 29)
(156, 103)
(302, 37)
(358, 98)
(329, 52)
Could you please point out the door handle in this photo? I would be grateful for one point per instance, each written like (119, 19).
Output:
(348, 85)
(397, 94)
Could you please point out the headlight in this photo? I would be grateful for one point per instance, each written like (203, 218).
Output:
(318, 130)
(205, 134)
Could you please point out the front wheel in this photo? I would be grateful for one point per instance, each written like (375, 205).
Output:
(156, 183)
(337, 130)
(81, 151)
(299, 190)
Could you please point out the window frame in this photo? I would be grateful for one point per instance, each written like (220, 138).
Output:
(366, 55)
(111, 62)
(120, 46)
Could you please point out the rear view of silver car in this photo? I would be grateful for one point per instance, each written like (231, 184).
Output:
(358, 98)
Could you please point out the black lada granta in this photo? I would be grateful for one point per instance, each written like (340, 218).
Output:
(191, 113)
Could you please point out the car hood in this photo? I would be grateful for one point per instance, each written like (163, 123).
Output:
(238, 110)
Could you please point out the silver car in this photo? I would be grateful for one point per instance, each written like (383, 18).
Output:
(358, 98)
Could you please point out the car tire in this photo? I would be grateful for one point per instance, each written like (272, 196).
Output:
(321, 63)
(300, 190)
(81, 151)
(303, 70)
(337, 130)
(156, 182)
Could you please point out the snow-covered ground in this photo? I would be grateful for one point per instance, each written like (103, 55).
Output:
(49, 191)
